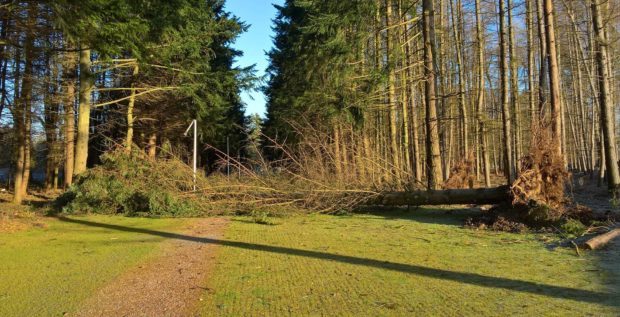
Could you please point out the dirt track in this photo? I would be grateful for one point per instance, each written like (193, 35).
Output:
(168, 285)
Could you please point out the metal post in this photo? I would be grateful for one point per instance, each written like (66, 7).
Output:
(195, 150)
(195, 125)
(227, 157)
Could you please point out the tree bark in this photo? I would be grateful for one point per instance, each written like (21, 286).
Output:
(83, 129)
(480, 104)
(69, 74)
(542, 73)
(24, 118)
(20, 134)
(554, 75)
(602, 240)
(514, 87)
(130, 108)
(152, 146)
(506, 117)
(392, 100)
(433, 158)
(605, 100)
(479, 196)
(529, 23)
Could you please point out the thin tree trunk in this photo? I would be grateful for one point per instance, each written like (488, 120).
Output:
(506, 118)
(69, 107)
(605, 99)
(26, 101)
(130, 108)
(530, 61)
(461, 82)
(434, 170)
(554, 75)
(514, 87)
(27, 92)
(414, 145)
(542, 73)
(20, 134)
(480, 105)
(152, 145)
(392, 100)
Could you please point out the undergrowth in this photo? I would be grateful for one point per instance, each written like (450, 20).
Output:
(135, 185)
(126, 184)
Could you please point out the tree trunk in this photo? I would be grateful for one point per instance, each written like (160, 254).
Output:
(392, 100)
(25, 113)
(20, 134)
(130, 117)
(69, 107)
(83, 129)
(542, 73)
(461, 80)
(605, 100)
(411, 85)
(51, 110)
(514, 87)
(529, 23)
(602, 240)
(433, 156)
(479, 196)
(152, 146)
(28, 104)
(506, 117)
(480, 105)
(554, 75)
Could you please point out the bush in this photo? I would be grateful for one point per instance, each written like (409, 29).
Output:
(132, 186)
(573, 228)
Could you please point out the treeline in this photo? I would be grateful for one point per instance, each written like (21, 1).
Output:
(398, 92)
(91, 75)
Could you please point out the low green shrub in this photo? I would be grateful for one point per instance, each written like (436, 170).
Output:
(262, 218)
(132, 186)
(573, 228)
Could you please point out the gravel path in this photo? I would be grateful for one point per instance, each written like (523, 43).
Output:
(170, 284)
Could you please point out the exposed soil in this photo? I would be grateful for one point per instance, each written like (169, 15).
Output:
(170, 284)
(585, 201)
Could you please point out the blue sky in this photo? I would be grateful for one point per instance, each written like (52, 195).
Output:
(255, 42)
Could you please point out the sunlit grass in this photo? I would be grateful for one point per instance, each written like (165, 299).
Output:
(328, 265)
(50, 271)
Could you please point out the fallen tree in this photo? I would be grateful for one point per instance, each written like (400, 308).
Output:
(479, 196)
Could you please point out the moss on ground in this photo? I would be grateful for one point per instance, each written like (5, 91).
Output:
(49, 271)
(372, 265)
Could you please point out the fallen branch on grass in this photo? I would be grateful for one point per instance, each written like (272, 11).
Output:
(602, 240)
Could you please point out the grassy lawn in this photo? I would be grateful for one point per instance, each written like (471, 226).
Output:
(425, 265)
(51, 270)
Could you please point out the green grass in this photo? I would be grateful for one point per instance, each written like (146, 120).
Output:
(423, 265)
(50, 271)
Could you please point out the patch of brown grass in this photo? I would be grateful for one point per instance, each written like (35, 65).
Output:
(463, 174)
(15, 218)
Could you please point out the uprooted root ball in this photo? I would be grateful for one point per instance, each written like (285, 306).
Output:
(542, 179)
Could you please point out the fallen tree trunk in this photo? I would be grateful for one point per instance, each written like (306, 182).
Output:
(479, 196)
(601, 240)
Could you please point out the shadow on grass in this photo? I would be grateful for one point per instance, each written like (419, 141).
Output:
(609, 299)
(453, 217)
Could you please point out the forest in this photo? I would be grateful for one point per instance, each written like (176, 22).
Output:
(486, 121)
